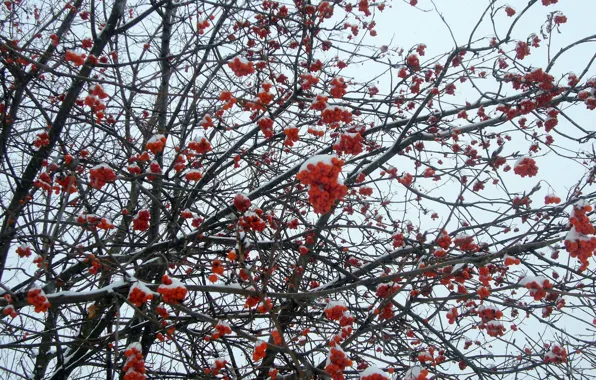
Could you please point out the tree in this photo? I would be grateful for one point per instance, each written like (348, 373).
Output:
(196, 189)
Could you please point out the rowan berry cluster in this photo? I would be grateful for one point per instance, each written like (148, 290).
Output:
(398, 240)
(308, 80)
(349, 143)
(100, 175)
(577, 242)
(242, 203)
(526, 167)
(156, 143)
(221, 329)
(138, 295)
(42, 139)
(241, 67)
(386, 290)
(489, 313)
(193, 175)
(495, 329)
(94, 262)
(266, 125)
(465, 243)
(338, 88)
(416, 373)
(324, 188)
(335, 310)
(260, 350)
(510, 260)
(335, 114)
(134, 367)
(38, 299)
(252, 221)
(68, 183)
(76, 59)
(172, 290)
(538, 286)
(23, 251)
(555, 355)
(91, 222)
(522, 50)
(337, 363)
(141, 221)
(452, 315)
(373, 373)
(444, 241)
(552, 199)
(292, 136)
(320, 103)
(216, 367)
(9, 310)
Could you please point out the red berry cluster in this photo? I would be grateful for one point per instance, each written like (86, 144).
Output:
(100, 175)
(349, 143)
(320, 103)
(71, 56)
(259, 352)
(23, 251)
(489, 313)
(156, 143)
(522, 50)
(134, 368)
(551, 199)
(526, 167)
(68, 183)
(308, 80)
(9, 310)
(537, 285)
(241, 67)
(141, 220)
(577, 242)
(221, 329)
(465, 243)
(242, 203)
(373, 373)
(444, 241)
(337, 363)
(252, 221)
(556, 355)
(91, 222)
(193, 175)
(171, 290)
(334, 311)
(216, 367)
(416, 373)
(324, 189)
(38, 299)
(266, 125)
(200, 147)
(292, 136)
(139, 295)
(413, 62)
(386, 312)
(510, 260)
(495, 329)
(398, 240)
(386, 290)
(452, 315)
(335, 114)
(338, 88)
